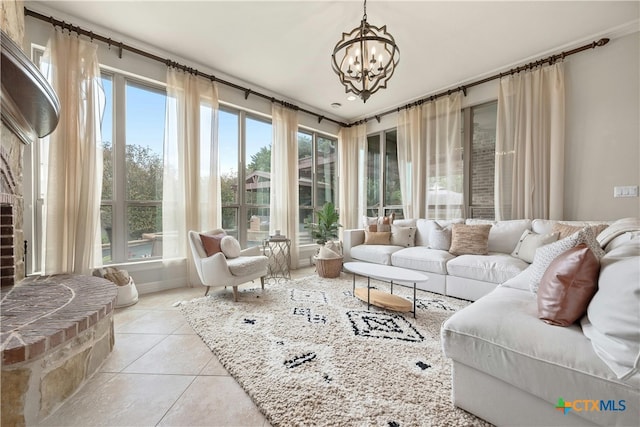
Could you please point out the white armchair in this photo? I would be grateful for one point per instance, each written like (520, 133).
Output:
(217, 270)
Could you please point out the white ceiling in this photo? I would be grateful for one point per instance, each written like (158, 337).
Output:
(286, 46)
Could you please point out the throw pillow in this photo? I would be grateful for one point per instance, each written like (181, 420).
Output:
(565, 230)
(529, 242)
(470, 239)
(403, 236)
(378, 223)
(211, 243)
(546, 254)
(376, 237)
(568, 285)
(613, 315)
(230, 247)
(440, 238)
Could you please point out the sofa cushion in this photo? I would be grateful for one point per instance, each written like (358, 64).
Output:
(493, 268)
(376, 237)
(546, 254)
(378, 223)
(440, 238)
(470, 239)
(424, 226)
(613, 316)
(500, 334)
(504, 235)
(402, 236)
(378, 254)
(529, 242)
(422, 259)
(567, 286)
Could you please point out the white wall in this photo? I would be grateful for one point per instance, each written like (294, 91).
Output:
(603, 130)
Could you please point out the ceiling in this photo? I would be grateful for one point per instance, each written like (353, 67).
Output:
(285, 47)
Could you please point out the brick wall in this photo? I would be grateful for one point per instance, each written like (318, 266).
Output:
(482, 174)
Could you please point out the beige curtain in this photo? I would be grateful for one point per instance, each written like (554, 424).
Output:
(430, 163)
(74, 179)
(284, 215)
(352, 144)
(529, 174)
(191, 191)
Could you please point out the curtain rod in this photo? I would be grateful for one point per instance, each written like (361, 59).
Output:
(169, 63)
(551, 59)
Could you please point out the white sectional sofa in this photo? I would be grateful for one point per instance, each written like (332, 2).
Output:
(511, 368)
(465, 276)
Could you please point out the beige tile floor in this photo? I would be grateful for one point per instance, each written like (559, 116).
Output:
(160, 373)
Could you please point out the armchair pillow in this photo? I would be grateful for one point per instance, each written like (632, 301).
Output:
(211, 243)
(230, 247)
(568, 285)
(470, 239)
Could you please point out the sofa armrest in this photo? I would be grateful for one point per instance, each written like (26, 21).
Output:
(351, 238)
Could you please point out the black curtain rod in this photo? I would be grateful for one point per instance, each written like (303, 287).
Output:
(550, 60)
(169, 63)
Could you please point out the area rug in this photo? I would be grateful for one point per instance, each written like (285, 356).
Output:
(310, 354)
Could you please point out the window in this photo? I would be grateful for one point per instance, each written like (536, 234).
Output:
(131, 211)
(245, 140)
(315, 153)
(482, 119)
(383, 180)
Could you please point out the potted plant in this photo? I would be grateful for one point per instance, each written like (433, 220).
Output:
(327, 226)
(329, 259)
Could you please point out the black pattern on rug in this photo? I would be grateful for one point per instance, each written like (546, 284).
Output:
(309, 353)
(383, 325)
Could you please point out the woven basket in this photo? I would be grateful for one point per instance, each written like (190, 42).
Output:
(329, 268)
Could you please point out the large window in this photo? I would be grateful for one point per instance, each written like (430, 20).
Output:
(383, 181)
(316, 178)
(131, 211)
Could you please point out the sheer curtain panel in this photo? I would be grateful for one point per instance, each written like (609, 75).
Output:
(74, 178)
(352, 143)
(284, 176)
(529, 174)
(190, 185)
(430, 162)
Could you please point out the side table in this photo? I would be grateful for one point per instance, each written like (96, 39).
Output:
(278, 250)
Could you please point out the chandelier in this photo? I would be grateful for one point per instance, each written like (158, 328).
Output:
(365, 58)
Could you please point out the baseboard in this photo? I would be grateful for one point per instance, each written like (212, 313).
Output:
(150, 287)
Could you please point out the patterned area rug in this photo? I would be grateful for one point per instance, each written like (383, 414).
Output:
(310, 354)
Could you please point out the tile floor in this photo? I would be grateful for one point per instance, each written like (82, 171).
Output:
(160, 373)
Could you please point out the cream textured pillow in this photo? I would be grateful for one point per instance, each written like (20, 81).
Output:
(470, 239)
(230, 247)
(403, 236)
(546, 254)
(529, 242)
(376, 237)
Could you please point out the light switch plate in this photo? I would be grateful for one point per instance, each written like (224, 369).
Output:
(625, 191)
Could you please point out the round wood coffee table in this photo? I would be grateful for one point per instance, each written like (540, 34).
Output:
(386, 273)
